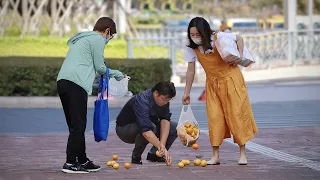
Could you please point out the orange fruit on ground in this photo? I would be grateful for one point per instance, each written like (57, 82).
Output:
(115, 157)
(196, 162)
(184, 162)
(168, 163)
(188, 162)
(116, 166)
(109, 163)
(127, 165)
(203, 163)
(180, 164)
(195, 146)
(112, 163)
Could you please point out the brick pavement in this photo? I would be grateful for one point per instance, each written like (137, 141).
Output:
(304, 143)
(28, 157)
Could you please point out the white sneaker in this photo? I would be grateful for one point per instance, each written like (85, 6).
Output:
(243, 162)
(213, 162)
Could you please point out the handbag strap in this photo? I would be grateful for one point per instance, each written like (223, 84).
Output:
(104, 85)
(100, 84)
(183, 107)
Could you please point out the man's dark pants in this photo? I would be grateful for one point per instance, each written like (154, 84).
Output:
(131, 134)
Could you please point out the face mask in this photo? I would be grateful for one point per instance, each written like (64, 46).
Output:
(197, 41)
(106, 40)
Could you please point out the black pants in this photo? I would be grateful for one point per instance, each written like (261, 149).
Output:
(74, 100)
(131, 134)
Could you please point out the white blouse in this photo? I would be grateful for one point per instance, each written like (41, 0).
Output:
(190, 56)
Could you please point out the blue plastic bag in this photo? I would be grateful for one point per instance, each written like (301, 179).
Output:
(101, 111)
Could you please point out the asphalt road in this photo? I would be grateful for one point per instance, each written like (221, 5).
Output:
(274, 106)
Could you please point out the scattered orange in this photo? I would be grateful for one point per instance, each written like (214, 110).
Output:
(195, 146)
(180, 164)
(196, 162)
(116, 166)
(109, 163)
(127, 165)
(188, 162)
(168, 163)
(203, 163)
(115, 157)
(112, 163)
(184, 162)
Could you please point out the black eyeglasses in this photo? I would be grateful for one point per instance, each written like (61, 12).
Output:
(112, 36)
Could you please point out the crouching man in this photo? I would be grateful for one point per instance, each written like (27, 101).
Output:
(144, 119)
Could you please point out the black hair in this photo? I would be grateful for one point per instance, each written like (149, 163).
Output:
(165, 88)
(204, 30)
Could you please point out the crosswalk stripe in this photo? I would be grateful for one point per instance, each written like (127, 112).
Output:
(276, 154)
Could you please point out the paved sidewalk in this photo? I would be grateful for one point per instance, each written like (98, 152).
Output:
(40, 157)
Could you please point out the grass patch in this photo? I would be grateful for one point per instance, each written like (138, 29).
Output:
(52, 47)
(57, 47)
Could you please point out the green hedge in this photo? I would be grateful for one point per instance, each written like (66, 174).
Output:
(36, 76)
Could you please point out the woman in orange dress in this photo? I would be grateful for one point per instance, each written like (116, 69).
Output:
(227, 103)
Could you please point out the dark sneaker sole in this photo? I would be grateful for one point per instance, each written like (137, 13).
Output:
(138, 163)
(94, 170)
(74, 172)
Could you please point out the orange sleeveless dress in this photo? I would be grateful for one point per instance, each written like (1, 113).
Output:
(227, 102)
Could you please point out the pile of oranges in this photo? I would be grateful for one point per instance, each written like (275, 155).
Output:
(181, 164)
(191, 130)
(115, 165)
(188, 133)
(196, 162)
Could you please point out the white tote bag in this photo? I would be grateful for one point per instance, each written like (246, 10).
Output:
(188, 128)
(118, 89)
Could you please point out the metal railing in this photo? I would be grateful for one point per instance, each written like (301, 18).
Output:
(267, 48)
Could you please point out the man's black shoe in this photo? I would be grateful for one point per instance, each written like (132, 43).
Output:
(136, 161)
(74, 168)
(90, 166)
(155, 158)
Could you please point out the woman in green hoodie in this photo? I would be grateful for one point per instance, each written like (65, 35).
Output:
(84, 60)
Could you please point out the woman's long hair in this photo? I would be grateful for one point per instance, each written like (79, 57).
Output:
(204, 30)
